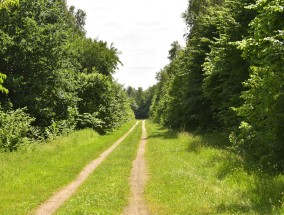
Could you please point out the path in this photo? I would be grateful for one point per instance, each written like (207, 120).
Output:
(138, 179)
(57, 200)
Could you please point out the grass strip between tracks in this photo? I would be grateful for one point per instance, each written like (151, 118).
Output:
(106, 191)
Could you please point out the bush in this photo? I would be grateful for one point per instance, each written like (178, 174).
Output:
(87, 120)
(64, 126)
(103, 105)
(15, 129)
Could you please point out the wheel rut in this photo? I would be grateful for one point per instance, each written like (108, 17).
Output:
(138, 179)
(57, 200)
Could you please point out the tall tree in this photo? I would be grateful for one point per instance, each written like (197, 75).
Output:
(225, 68)
(4, 5)
(261, 131)
(37, 60)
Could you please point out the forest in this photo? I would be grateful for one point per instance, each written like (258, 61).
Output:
(53, 78)
(229, 78)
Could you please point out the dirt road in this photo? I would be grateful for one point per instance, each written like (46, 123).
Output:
(52, 204)
(137, 205)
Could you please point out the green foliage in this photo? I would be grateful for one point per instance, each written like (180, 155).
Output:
(262, 110)
(15, 127)
(140, 101)
(96, 55)
(225, 69)
(88, 120)
(229, 77)
(62, 127)
(4, 4)
(2, 78)
(51, 65)
(173, 52)
(37, 60)
(103, 100)
(158, 107)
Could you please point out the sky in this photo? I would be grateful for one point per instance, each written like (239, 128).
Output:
(142, 30)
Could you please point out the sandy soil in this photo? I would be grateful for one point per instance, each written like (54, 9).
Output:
(138, 179)
(52, 204)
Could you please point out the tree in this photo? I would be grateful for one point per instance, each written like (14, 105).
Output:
(261, 131)
(225, 68)
(94, 54)
(4, 4)
(173, 52)
(140, 101)
(104, 101)
(62, 78)
(37, 61)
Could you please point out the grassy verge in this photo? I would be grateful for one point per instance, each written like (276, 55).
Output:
(194, 175)
(106, 191)
(29, 176)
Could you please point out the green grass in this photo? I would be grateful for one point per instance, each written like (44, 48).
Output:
(196, 175)
(106, 191)
(29, 176)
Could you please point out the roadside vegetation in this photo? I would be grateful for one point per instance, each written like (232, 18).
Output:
(107, 190)
(31, 174)
(198, 174)
(229, 77)
(53, 78)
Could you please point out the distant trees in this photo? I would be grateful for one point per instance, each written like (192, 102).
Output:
(52, 70)
(229, 77)
(140, 101)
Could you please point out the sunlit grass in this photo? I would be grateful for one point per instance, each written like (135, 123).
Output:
(106, 191)
(29, 176)
(194, 175)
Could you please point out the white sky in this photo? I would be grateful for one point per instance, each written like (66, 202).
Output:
(142, 30)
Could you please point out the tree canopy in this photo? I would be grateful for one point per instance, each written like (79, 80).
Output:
(54, 73)
(229, 77)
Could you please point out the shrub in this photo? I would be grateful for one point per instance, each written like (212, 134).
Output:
(15, 129)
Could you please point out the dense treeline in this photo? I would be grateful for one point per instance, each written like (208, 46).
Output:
(53, 78)
(141, 101)
(229, 77)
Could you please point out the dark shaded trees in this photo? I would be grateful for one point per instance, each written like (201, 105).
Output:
(140, 101)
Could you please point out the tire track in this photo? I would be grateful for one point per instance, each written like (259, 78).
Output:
(137, 205)
(57, 200)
